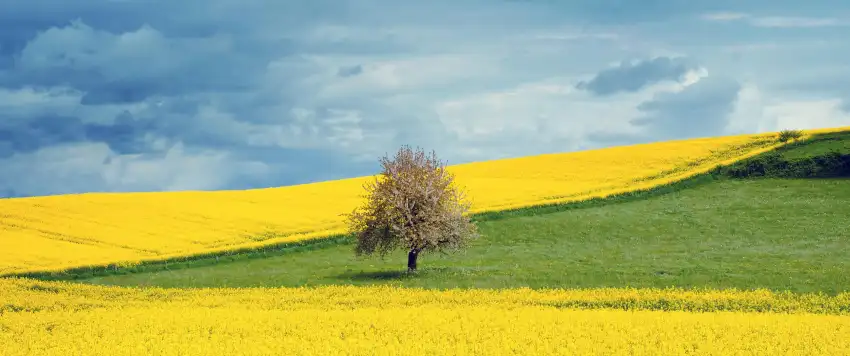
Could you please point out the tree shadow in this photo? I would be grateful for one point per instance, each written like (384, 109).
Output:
(399, 275)
(374, 275)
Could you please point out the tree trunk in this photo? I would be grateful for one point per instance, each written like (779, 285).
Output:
(411, 259)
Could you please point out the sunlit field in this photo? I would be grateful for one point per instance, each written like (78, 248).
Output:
(53, 318)
(60, 232)
(704, 239)
(778, 234)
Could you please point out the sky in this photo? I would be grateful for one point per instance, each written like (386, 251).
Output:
(163, 95)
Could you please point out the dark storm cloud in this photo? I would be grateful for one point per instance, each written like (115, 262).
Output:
(132, 66)
(124, 136)
(37, 132)
(173, 54)
(700, 110)
(631, 77)
(350, 71)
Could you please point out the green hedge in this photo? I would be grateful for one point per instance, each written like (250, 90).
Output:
(830, 165)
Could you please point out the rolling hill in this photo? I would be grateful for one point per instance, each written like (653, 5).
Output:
(96, 230)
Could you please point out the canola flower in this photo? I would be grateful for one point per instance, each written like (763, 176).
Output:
(55, 233)
(60, 318)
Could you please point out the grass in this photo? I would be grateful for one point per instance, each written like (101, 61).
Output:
(817, 146)
(778, 234)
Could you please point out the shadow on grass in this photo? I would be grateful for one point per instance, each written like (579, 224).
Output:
(401, 275)
(365, 276)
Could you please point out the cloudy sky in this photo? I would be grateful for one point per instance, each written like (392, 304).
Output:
(149, 95)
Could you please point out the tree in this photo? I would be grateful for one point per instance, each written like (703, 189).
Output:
(413, 204)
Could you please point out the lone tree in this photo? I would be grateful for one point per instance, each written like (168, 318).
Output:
(412, 204)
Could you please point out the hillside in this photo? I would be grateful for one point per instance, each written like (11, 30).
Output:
(74, 231)
(721, 232)
(775, 234)
(757, 258)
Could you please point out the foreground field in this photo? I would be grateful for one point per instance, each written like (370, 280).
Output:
(50, 318)
(61, 232)
(781, 234)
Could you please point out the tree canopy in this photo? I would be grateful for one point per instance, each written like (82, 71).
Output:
(413, 204)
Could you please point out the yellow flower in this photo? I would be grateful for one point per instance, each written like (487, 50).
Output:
(52, 318)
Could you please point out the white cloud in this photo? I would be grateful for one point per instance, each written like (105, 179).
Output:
(690, 77)
(178, 170)
(807, 114)
(80, 46)
(790, 22)
(94, 167)
(398, 75)
(551, 114)
(757, 111)
(724, 16)
(774, 21)
(748, 114)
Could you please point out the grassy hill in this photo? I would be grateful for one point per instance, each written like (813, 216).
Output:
(776, 233)
(103, 230)
(777, 221)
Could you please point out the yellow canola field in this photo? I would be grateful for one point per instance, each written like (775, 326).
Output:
(48, 318)
(56, 233)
